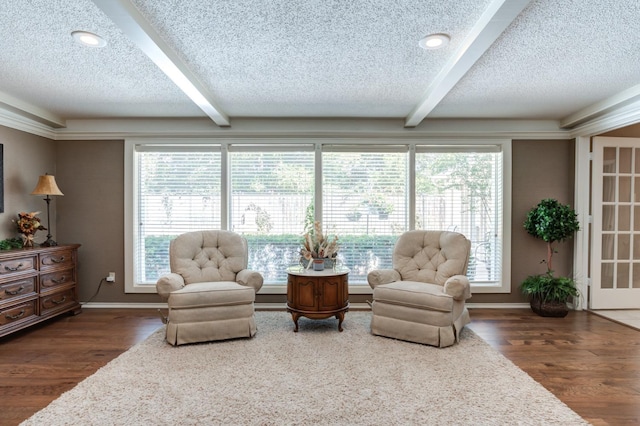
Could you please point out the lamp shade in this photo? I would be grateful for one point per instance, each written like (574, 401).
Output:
(46, 186)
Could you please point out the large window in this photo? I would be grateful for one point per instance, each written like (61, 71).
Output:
(364, 202)
(461, 190)
(367, 195)
(271, 197)
(178, 190)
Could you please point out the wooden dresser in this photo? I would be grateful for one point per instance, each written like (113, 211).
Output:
(37, 284)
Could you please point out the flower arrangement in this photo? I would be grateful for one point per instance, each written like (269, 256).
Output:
(28, 224)
(316, 245)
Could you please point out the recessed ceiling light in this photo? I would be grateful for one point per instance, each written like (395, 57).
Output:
(434, 41)
(88, 39)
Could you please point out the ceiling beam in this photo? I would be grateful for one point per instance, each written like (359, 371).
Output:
(615, 102)
(495, 19)
(31, 112)
(126, 16)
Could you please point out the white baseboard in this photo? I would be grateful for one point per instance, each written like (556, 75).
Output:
(498, 306)
(283, 306)
(118, 305)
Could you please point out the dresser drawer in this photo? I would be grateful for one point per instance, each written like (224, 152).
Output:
(37, 284)
(17, 265)
(17, 313)
(51, 280)
(56, 301)
(62, 258)
(17, 288)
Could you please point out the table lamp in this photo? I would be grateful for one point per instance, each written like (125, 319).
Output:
(47, 186)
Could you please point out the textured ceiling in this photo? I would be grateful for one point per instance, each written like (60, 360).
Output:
(312, 58)
(317, 58)
(556, 58)
(42, 65)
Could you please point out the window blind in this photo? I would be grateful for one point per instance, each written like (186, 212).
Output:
(364, 203)
(271, 202)
(178, 190)
(461, 190)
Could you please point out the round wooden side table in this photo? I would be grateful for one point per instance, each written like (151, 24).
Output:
(317, 294)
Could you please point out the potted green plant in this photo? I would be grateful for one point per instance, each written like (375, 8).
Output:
(551, 222)
(378, 205)
(354, 216)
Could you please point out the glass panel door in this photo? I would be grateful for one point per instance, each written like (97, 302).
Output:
(616, 224)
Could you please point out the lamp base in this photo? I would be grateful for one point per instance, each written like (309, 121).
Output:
(49, 243)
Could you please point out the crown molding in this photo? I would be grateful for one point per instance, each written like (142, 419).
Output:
(600, 109)
(110, 129)
(622, 117)
(29, 111)
(18, 122)
(275, 128)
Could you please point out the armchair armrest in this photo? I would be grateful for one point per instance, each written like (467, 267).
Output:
(382, 276)
(168, 283)
(250, 278)
(458, 287)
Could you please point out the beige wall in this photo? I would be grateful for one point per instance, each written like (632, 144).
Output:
(91, 213)
(25, 158)
(632, 131)
(541, 169)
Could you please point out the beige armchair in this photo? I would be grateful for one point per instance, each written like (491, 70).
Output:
(210, 292)
(422, 299)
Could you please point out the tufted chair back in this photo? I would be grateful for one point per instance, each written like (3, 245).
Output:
(431, 256)
(204, 256)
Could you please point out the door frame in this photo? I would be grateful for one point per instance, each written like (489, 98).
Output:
(582, 206)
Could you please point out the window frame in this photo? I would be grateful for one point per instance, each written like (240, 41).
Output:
(478, 145)
(319, 146)
(131, 186)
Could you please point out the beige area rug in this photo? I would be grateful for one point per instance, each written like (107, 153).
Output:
(317, 376)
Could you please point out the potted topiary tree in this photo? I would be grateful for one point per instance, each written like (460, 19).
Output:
(551, 222)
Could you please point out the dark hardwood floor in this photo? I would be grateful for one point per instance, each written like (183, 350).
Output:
(590, 363)
(38, 364)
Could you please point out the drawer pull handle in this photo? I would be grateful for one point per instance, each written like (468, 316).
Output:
(60, 260)
(57, 302)
(59, 281)
(14, 292)
(15, 317)
(17, 268)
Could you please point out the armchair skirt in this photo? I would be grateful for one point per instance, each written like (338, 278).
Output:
(417, 312)
(210, 311)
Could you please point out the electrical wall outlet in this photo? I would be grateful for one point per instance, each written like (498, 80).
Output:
(112, 277)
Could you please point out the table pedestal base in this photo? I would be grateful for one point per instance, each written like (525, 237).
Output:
(297, 313)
